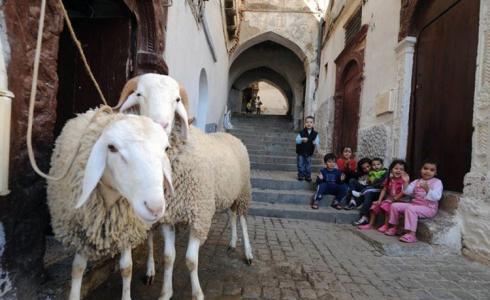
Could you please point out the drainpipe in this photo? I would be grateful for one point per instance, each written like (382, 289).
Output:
(319, 54)
(5, 112)
(207, 33)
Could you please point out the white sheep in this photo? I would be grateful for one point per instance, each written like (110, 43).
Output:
(210, 171)
(113, 193)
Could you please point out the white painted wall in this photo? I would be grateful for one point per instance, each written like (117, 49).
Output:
(187, 53)
(274, 102)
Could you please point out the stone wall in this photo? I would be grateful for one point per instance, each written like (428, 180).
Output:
(475, 203)
(23, 212)
(373, 142)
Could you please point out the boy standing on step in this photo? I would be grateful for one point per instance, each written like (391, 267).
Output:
(306, 142)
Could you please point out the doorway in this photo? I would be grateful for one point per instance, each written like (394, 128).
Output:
(443, 89)
(105, 29)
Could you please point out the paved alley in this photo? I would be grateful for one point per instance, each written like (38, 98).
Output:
(298, 259)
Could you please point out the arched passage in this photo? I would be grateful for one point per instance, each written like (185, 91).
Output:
(202, 107)
(273, 99)
(260, 74)
(270, 56)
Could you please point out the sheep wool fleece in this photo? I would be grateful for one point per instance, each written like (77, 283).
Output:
(93, 229)
(210, 171)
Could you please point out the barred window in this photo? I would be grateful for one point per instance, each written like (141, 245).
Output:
(353, 26)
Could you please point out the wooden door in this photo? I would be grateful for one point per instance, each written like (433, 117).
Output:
(106, 41)
(349, 116)
(444, 80)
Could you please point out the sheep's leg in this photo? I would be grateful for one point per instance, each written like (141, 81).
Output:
(168, 233)
(77, 269)
(150, 263)
(126, 266)
(246, 240)
(233, 222)
(192, 260)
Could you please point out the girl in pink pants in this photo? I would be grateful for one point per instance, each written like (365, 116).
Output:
(426, 193)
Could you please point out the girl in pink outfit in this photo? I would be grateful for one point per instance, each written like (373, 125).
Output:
(426, 193)
(392, 191)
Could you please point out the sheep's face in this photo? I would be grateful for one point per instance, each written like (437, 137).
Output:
(159, 98)
(130, 157)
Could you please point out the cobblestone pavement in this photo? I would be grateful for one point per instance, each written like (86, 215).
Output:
(296, 259)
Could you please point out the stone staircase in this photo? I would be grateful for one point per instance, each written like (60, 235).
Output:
(275, 190)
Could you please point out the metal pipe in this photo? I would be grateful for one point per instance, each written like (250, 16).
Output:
(5, 116)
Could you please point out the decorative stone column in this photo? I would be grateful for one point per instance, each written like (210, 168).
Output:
(475, 202)
(405, 55)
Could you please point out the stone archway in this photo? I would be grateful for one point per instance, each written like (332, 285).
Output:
(273, 52)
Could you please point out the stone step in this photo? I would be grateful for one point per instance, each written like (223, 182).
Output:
(302, 197)
(282, 167)
(303, 212)
(270, 129)
(269, 141)
(391, 246)
(281, 181)
(291, 149)
(276, 159)
(443, 230)
(253, 133)
(278, 152)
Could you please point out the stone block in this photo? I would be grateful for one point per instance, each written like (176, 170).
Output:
(444, 229)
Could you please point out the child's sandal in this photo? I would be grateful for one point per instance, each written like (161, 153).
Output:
(408, 238)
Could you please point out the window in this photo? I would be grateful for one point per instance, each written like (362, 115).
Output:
(353, 26)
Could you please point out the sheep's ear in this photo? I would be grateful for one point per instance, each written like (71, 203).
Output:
(167, 176)
(130, 102)
(127, 90)
(93, 170)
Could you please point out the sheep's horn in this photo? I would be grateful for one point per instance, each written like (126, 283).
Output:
(181, 110)
(128, 88)
(184, 97)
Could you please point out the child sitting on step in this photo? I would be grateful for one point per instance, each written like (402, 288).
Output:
(376, 178)
(392, 191)
(330, 183)
(347, 163)
(306, 142)
(359, 182)
(426, 192)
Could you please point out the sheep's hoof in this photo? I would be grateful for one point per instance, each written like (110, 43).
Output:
(248, 261)
(230, 250)
(148, 280)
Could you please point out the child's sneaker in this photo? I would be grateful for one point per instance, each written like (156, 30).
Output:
(308, 179)
(391, 231)
(365, 227)
(301, 178)
(383, 228)
(361, 221)
(356, 194)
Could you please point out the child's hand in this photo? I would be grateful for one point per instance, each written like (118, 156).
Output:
(405, 177)
(320, 176)
(304, 140)
(342, 177)
(377, 202)
(425, 186)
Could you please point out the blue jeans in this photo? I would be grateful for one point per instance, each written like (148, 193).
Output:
(337, 190)
(304, 165)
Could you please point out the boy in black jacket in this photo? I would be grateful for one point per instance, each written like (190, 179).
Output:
(306, 142)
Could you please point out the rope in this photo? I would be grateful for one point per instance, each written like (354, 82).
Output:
(80, 50)
(103, 109)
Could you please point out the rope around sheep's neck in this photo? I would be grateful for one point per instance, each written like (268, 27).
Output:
(104, 108)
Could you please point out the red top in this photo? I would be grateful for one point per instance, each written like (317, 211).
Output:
(349, 168)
